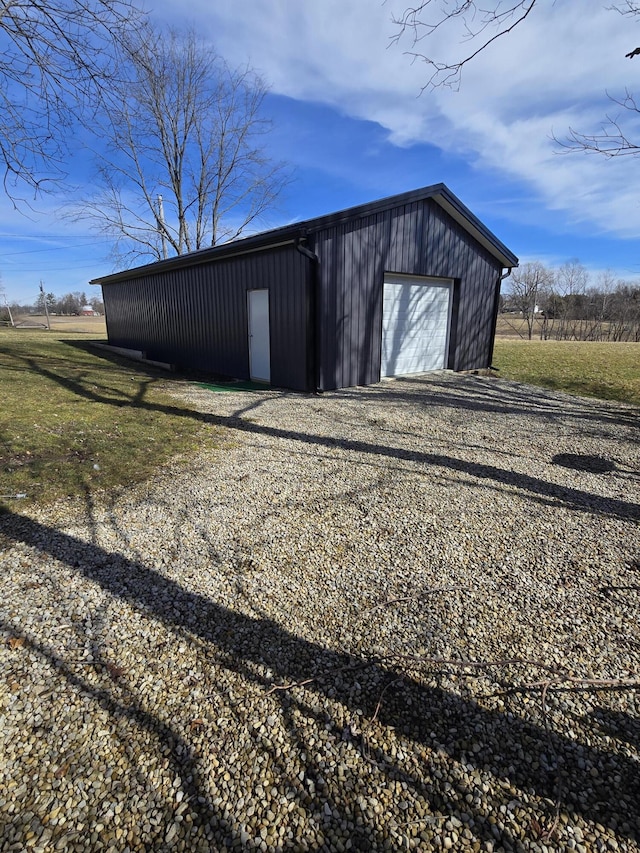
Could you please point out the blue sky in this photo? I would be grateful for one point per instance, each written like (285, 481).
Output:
(349, 118)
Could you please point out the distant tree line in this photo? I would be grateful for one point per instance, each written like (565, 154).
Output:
(568, 304)
(70, 303)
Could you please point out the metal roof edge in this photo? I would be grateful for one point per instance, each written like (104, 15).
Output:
(287, 234)
(256, 243)
(470, 222)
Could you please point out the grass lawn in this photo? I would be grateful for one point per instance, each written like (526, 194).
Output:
(610, 371)
(73, 420)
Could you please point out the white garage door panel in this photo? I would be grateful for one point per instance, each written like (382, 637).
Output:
(415, 325)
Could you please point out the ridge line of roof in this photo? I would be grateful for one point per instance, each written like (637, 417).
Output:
(287, 233)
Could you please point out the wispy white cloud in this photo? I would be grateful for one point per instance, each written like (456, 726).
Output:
(548, 75)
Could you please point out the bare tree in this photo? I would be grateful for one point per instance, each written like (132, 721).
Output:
(55, 61)
(570, 286)
(183, 167)
(529, 284)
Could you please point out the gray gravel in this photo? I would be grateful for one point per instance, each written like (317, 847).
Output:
(356, 549)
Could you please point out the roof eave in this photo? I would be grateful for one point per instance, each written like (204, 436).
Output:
(288, 234)
(233, 249)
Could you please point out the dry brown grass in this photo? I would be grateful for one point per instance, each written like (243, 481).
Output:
(93, 325)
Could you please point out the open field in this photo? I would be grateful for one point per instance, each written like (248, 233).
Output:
(73, 420)
(610, 371)
(514, 326)
(94, 325)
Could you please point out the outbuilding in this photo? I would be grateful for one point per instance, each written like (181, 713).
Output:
(402, 285)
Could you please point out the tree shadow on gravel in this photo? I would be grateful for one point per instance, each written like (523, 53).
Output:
(537, 488)
(459, 392)
(501, 396)
(121, 705)
(596, 783)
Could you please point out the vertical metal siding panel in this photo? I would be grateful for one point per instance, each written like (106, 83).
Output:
(392, 259)
(217, 343)
(464, 309)
(344, 318)
(288, 318)
(404, 238)
(477, 273)
(353, 259)
(350, 274)
(199, 311)
(344, 285)
(361, 286)
(348, 277)
(413, 237)
(325, 248)
(465, 304)
(442, 249)
(373, 249)
(404, 225)
(333, 312)
(193, 314)
(197, 316)
(366, 297)
(371, 307)
(475, 332)
(209, 298)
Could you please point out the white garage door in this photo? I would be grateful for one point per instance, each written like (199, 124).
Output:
(415, 325)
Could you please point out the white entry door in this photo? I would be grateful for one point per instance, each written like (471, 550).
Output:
(415, 325)
(259, 348)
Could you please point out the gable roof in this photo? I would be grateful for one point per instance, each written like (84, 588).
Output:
(288, 234)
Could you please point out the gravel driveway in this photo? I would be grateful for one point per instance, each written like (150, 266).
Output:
(367, 620)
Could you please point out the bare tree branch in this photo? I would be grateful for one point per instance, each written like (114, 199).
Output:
(478, 26)
(185, 126)
(56, 59)
(611, 140)
(482, 27)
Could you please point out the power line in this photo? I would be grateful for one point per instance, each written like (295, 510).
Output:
(51, 269)
(52, 249)
(49, 237)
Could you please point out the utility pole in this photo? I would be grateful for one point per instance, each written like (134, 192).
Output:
(161, 224)
(46, 307)
(9, 310)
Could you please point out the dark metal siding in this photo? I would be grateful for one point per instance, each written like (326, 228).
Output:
(196, 317)
(415, 239)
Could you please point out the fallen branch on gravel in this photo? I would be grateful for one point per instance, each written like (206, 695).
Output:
(560, 680)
